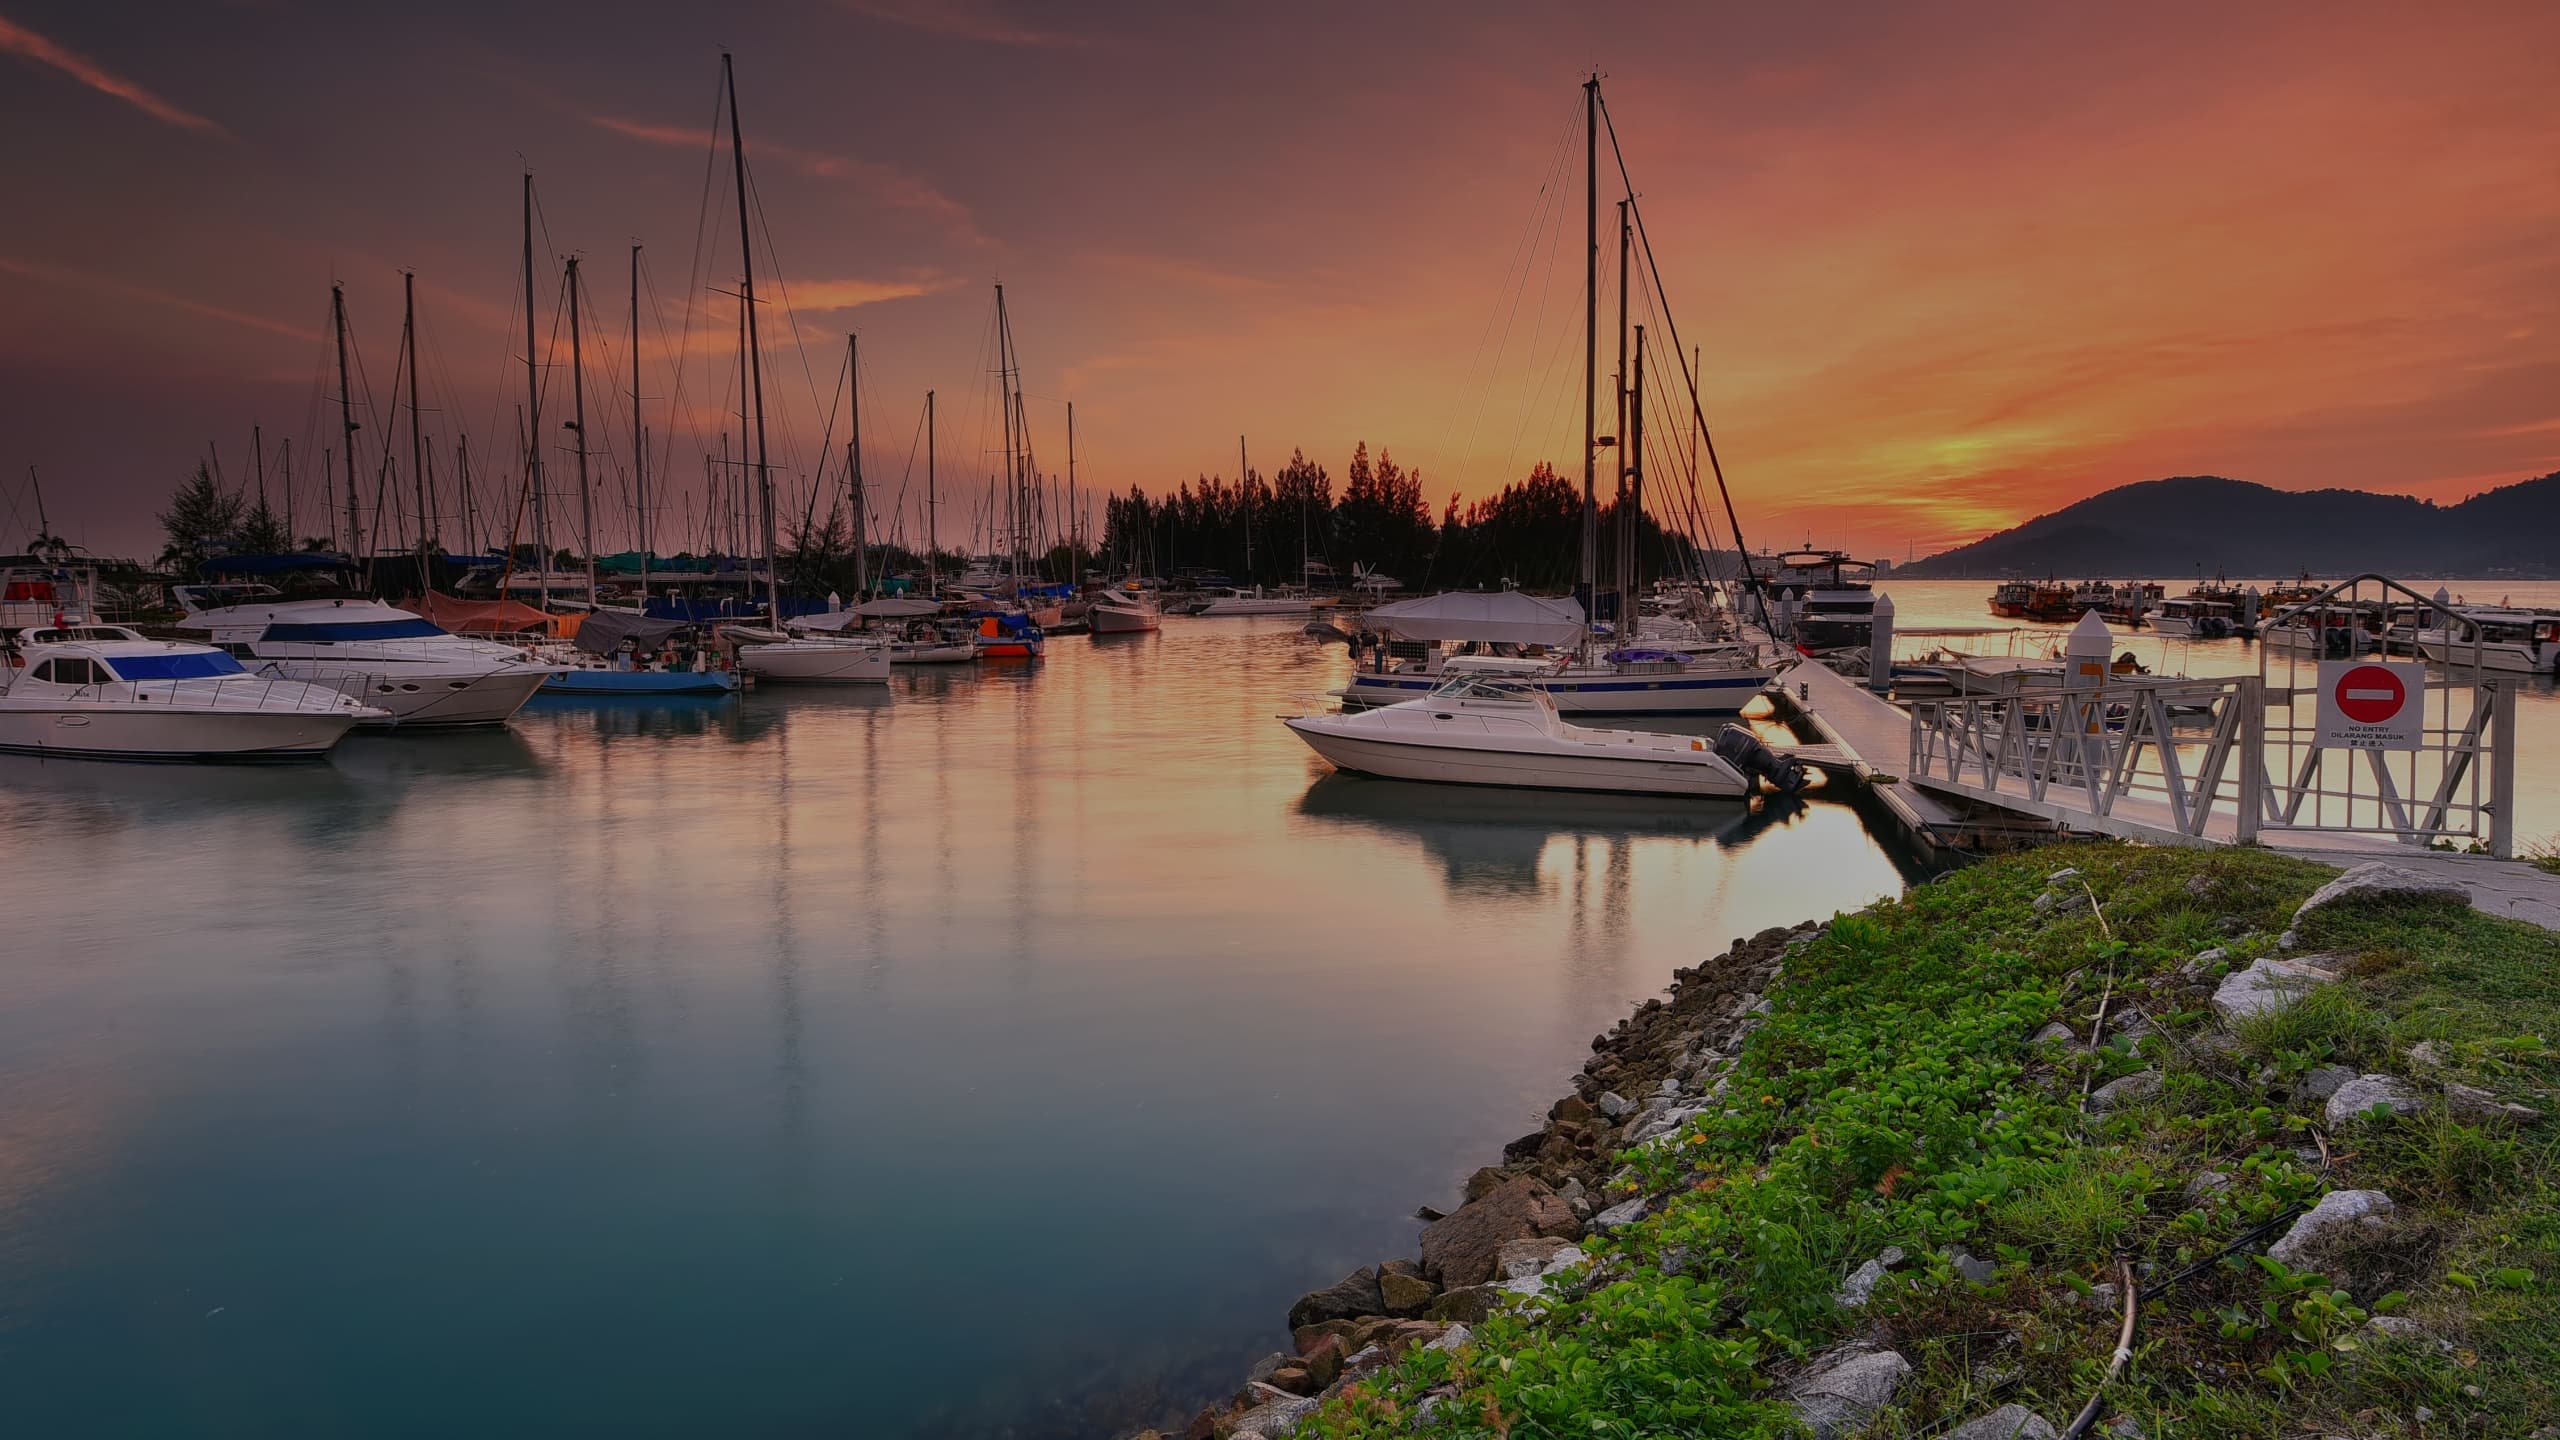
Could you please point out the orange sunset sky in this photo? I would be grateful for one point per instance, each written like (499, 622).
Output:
(1951, 265)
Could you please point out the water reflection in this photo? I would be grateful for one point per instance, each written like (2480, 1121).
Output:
(1491, 842)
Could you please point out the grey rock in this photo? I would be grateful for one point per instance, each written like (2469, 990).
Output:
(1844, 1388)
(1670, 1086)
(2427, 1053)
(1570, 1191)
(2287, 940)
(2057, 1031)
(1348, 1298)
(1451, 1338)
(2131, 1090)
(2423, 1415)
(1615, 1105)
(2126, 1428)
(2198, 884)
(2266, 985)
(2338, 1211)
(1468, 1304)
(1276, 1413)
(2207, 1182)
(2398, 1327)
(1406, 1296)
(2103, 1296)
(2469, 1102)
(2009, 1422)
(2366, 1092)
(1368, 1360)
(1622, 1214)
(1976, 1271)
(2067, 872)
(1520, 1259)
(1860, 1287)
(2323, 1082)
(2381, 881)
(2214, 956)
(1460, 1250)
(1263, 1367)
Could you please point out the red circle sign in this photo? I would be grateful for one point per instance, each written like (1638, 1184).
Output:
(2370, 694)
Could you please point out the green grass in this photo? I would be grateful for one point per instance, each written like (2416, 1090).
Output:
(2544, 854)
(1895, 1097)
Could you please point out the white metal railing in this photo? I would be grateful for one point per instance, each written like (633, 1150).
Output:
(2229, 759)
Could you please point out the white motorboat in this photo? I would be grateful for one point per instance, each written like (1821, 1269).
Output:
(2191, 617)
(1487, 730)
(1121, 611)
(103, 692)
(2520, 642)
(1283, 601)
(384, 656)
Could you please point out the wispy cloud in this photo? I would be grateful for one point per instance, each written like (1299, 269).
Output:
(821, 296)
(123, 289)
(888, 184)
(16, 39)
(962, 20)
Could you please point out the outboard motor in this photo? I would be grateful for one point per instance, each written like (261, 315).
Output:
(1742, 750)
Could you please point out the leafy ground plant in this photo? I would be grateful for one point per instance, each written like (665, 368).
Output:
(1897, 1097)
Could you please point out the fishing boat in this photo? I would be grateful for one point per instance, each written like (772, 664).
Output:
(392, 659)
(103, 692)
(1124, 610)
(2191, 618)
(1490, 730)
(2049, 600)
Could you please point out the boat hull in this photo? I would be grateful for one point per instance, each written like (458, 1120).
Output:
(1515, 769)
(422, 696)
(1723, 692)
(1220, 609)
(1116, 620)
(170, 735)
(2509, 658)
(954, 654)
(816, 664)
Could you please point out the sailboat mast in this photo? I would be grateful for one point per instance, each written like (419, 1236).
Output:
(1631, 515)
(755, 363)
(1245, 486)
(346, 416)
(1621, 561)
(1012, 453)
(853, 467)
(639, 436)
(1590, 342)
(532, 432)
(578, 425)
(1075, 526)
(462, 482)
(290, 539)
(932, 510)
(417, 446)
(258, 453)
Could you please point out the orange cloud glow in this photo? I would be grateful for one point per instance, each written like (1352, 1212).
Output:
(19, 40)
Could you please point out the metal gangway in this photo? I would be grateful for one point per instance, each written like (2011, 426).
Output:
(2282, 756)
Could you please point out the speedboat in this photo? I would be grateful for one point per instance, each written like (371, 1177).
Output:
(1488, 730)
(1121, 611)
(393, 659)
(103, 692)
(2193, 617)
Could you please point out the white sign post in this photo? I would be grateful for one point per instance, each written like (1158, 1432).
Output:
(2372, 705)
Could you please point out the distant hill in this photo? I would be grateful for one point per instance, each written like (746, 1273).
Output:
(2170, 528)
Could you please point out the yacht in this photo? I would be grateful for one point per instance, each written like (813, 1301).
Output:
(2522, 642)
(1123, 611)
(1478, 729)
(393, 659)
(1829, 599)
(2335, 630)
(103, 692)
(827, 659)
(1537, 642)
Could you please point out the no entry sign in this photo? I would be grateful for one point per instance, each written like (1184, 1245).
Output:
(2368, 705)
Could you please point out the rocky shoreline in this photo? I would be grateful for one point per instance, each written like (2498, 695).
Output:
(1517, 1222)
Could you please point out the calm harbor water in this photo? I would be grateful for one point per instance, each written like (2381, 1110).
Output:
(999, 1053)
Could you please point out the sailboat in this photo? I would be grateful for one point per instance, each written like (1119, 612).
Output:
(773, 653)
(1551, 647)
(1013, 632)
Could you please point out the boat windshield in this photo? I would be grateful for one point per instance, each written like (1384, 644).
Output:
(1482, 687)
(334, 632)
(176, 665)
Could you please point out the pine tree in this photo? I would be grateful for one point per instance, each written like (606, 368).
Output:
(201, 522)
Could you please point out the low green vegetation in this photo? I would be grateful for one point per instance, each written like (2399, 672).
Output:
(1897, 1097)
